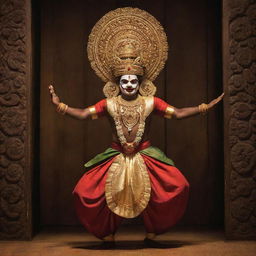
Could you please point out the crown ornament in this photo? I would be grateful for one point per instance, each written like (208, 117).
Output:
(127, 60)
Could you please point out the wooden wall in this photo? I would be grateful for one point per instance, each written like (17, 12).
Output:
(192, 75)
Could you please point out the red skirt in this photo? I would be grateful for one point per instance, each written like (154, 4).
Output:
(168, 199)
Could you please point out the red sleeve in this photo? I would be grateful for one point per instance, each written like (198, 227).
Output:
(162, 108)
(99, 109)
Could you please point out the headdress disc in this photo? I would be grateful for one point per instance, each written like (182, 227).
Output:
(127, 41)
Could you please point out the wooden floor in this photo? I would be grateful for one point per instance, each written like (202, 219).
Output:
(69, 242)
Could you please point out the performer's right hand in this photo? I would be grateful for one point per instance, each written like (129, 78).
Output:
(55, 99)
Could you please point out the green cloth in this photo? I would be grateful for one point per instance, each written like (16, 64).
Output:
(157, 154)
(153, 152)
(102, 157)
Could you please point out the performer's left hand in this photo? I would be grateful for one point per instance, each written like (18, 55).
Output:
(215, 101)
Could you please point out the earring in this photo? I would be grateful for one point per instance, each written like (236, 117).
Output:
(111, 89)
(147, 88)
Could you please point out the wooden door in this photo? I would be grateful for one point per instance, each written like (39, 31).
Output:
(192, 75)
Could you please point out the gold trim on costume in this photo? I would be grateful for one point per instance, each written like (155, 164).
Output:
(149, 101)
(169, 112)
(93, 112)
(128, 187)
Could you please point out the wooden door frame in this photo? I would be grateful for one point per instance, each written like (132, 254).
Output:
(239, 118)
(19, 119)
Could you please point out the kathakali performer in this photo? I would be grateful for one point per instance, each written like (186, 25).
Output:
(128, 48)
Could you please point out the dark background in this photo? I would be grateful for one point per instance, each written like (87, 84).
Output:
(192, 75)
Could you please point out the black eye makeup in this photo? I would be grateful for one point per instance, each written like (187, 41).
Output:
(134, 81)
(124, 81)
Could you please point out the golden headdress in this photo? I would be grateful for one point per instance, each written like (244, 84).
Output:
(127, 41)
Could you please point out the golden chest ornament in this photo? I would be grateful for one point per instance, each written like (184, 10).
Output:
(128, 186)
(131, 115)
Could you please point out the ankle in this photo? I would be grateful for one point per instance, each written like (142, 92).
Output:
(109, 238)
(150, 236)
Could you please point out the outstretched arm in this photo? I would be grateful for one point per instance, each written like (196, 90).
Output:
(180, 113)
(77, 113)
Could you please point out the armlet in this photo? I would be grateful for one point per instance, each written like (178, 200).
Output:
(169, 112)
(93, 112)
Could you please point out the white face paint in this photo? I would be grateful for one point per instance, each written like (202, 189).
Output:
(129, 84)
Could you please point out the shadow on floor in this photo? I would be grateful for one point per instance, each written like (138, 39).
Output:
(129, 245)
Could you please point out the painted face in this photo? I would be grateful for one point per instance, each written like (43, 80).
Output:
(129, 84)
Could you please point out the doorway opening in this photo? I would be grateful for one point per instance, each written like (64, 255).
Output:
(192, 75)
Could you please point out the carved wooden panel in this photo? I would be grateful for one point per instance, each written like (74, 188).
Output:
(239, 80)
(14, 119)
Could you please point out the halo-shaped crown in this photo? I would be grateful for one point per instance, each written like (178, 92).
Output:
(127, 41)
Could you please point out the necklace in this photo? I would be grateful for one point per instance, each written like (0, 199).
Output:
(129, 113)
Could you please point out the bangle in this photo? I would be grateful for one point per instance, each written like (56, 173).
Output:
(62, 108)
(203, 108)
